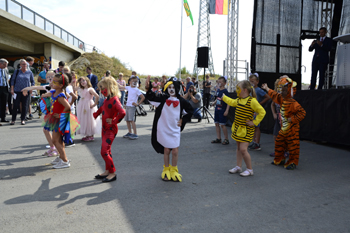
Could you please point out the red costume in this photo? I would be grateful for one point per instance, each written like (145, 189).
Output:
(111, 108)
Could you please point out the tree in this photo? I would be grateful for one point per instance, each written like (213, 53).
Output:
(183, 71)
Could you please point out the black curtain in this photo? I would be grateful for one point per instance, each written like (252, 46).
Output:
(327, 116)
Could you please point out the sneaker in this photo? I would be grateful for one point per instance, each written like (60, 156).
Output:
(251, 145)
(53, 153)
(127, 135)
(255, 147)
(272, 154)
(281, 163)
(47, 152)
(61, 164)
(56, 160)
(291, 166)
(235, 170)
(71, 144)
(247, 173)
(89, 139)
(133, 136)
(85, 139)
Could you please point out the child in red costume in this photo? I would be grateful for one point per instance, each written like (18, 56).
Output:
(112, 113)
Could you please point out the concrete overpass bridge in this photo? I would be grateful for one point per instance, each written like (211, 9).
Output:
(24, 33)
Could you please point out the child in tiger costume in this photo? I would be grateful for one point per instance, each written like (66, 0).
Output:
(292, 113)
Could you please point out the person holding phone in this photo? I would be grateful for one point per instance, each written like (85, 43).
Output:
(322, 46)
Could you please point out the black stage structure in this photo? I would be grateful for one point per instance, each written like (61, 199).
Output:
(278, 28)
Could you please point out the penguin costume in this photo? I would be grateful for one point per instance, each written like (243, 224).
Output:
(172, 113)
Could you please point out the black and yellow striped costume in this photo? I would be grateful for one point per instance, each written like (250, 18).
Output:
(245, 109)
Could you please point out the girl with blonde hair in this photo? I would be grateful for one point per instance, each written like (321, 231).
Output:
(74, 82)
(244, 125)
(112, 113)
(122, 85)
(66, 69)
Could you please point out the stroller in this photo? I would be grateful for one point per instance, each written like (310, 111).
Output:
(140, 111)
(34, 101)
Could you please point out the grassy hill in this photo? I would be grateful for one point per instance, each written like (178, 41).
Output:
(99, 63)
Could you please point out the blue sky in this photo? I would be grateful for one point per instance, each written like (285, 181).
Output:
(145, 34)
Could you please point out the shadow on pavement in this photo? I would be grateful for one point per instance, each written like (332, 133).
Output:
(15, 173)
(44, 193)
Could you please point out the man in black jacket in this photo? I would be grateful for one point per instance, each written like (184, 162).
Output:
(93, 78)
(322, 46)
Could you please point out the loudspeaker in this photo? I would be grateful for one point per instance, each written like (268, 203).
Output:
(203, 57)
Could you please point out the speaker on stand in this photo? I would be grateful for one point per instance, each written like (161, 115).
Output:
(203, 57)
(202, 62)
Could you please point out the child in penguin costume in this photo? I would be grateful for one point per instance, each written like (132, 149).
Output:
(172, 113)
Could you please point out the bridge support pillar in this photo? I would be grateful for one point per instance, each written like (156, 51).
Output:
(56, 54)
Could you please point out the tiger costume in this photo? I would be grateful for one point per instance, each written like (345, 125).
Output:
(288, 136)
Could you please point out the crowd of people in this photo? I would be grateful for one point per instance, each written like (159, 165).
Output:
(83, 105)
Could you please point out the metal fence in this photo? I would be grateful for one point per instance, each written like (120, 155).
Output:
(30, 16)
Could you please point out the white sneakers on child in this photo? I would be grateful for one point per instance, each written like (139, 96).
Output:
(56, 160)
(235, 170)
(238, 169)
(247, 172)
(59, 163)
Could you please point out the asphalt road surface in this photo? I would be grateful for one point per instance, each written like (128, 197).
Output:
(36, 198)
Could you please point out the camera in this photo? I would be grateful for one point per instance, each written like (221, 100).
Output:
(191, 90)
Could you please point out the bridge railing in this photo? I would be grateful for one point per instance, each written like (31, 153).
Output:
(31, 16)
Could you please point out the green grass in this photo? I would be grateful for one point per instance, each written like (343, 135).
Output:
(100, 63)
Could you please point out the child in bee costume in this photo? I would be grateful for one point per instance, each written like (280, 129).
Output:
(171, 115)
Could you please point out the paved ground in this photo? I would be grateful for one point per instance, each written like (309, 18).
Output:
(36, 198)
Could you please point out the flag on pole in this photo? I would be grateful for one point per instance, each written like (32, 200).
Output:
(219, 7)
(188, 11)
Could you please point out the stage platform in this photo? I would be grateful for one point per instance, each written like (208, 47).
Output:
(327, 116)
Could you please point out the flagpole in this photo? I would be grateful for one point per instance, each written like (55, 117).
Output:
(181, 39)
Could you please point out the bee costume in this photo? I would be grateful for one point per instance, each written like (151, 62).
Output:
(245, 108)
